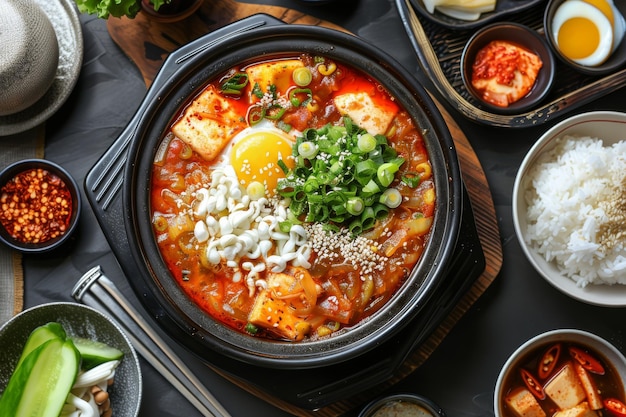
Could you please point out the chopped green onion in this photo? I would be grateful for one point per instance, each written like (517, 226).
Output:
(368, 218)
(302, 76)
(307, 149)
(380, 210)
(251, 328)
(337, 183)
(356, 227)
(391, 197)
(355, 206)
(411, 179)
(371, 188)
(282, 165)
(386, 172)
(255, 190)
(366, 143)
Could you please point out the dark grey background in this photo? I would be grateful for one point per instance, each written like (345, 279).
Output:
(461, 373)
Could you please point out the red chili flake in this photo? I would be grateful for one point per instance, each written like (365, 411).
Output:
(35, 206)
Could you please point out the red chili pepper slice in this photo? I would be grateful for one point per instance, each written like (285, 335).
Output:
(586, 360)
(615, 406)
(533, 384)
(548, 361)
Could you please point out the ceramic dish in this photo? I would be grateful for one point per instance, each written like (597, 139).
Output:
(404, 404)
(616, 60)
(64, 18)
(82, 321)
(516, 34)
(67, 221)
(438, 53)
(563, 345)
(503, 8)
(609, 126)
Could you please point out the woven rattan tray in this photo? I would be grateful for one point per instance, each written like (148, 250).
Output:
(439, 52)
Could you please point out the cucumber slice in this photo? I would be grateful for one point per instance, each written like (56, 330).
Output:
(40, 335)
(40, 386)
(94, 352)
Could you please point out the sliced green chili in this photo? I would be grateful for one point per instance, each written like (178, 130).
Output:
(255, 115)
(294, 96)
(235, 84)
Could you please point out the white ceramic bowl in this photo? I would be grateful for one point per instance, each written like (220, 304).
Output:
(606, 125)
(606, 350)
(81, 321)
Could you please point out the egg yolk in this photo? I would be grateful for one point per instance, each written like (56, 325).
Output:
(578, 38)
(255, 158)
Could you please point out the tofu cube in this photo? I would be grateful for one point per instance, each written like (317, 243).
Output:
(208, 124)
(277, 73)
(580, 410)
(361, 108)
(565, 388)
(524, 404)
(275, 314)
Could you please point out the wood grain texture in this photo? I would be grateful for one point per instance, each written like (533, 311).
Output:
(147, 41)
(147, 44)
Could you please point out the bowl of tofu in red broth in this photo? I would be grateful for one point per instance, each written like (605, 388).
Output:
(562, 372)
(293, 85)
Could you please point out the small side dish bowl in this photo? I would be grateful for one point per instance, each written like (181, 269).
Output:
(402, 404)
(517, 35)
(617, 58)
(557, 361)
(81, 321)
(40, 205)
(605, 125)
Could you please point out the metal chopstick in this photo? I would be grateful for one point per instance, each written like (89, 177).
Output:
(99, 292)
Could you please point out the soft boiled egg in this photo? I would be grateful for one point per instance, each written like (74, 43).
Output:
(585, 30)
(254, 153)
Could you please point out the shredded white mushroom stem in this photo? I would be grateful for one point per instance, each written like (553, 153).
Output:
(82, 401)
(250, 230)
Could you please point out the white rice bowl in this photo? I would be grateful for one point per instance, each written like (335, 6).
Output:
(569, 207)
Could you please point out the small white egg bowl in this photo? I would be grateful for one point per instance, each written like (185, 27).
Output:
(617, 58)
(524, 357)
(606, 125)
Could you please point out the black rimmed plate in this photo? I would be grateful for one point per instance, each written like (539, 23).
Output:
(503, 8)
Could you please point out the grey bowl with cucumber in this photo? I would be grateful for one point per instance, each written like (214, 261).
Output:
(60, 358)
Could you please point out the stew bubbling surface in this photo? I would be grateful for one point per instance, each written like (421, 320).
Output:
(292, 197)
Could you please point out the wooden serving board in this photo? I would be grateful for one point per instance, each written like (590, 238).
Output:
(148, 42)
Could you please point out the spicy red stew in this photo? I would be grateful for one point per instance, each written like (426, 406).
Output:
(292, 197)
(563, 378)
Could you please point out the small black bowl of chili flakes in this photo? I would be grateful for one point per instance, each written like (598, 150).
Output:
(507, 67)
(39, 206)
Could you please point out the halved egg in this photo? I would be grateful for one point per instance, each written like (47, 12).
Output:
(583, 32)
(255, 151)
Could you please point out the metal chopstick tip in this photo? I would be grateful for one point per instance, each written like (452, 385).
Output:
(85, 282)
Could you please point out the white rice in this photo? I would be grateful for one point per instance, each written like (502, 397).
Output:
(576, 195)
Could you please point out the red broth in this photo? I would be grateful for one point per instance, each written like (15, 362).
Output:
(541, 370)
(349, 274)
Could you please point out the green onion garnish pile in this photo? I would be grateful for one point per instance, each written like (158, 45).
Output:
(342, 177)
